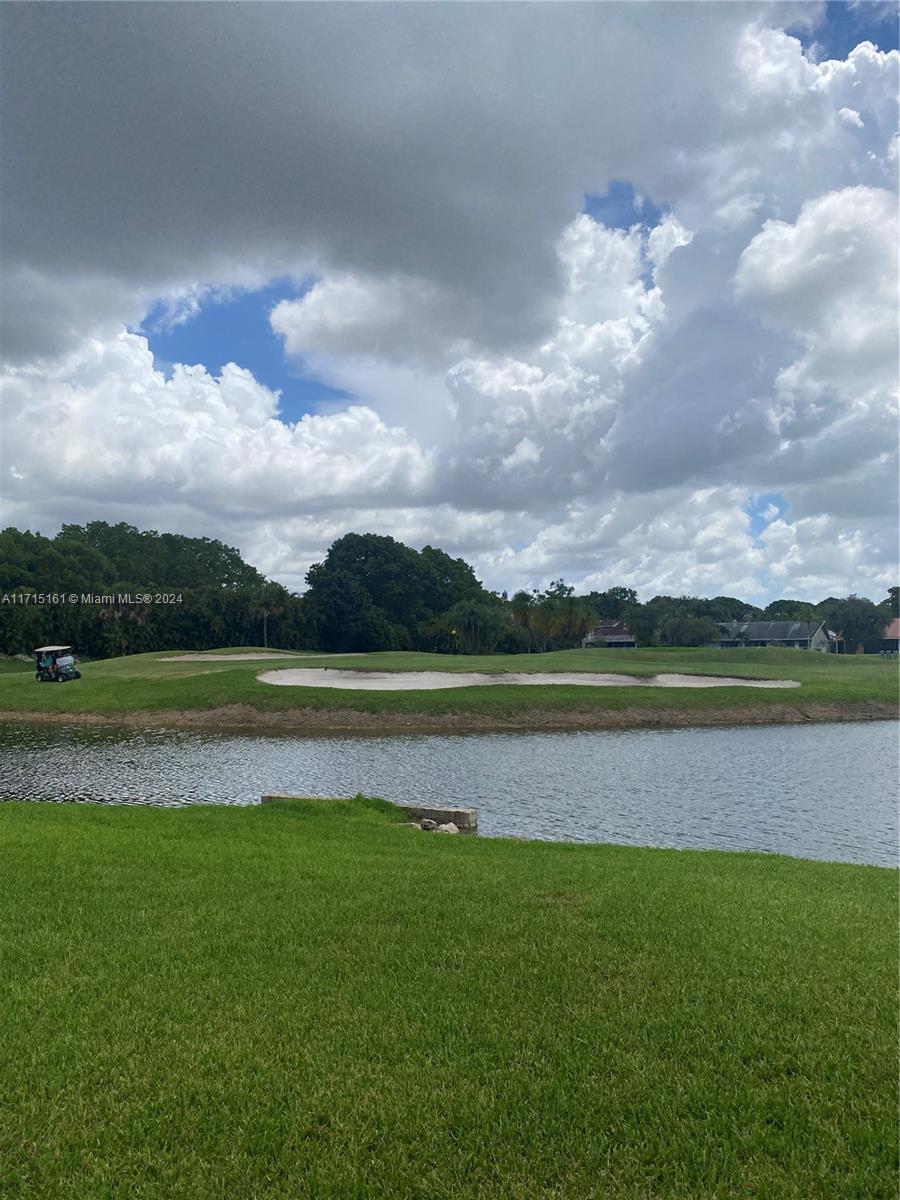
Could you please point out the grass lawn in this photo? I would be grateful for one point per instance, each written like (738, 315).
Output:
(304, 1000)
(151, 682)
(12, 666)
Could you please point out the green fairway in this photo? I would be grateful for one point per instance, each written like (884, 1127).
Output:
(154, 682)
(14, 666)
(305, 1000)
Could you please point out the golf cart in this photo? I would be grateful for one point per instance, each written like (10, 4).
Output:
(55, 664)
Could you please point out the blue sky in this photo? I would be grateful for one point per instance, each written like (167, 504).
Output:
(510, 391)
(622, 207)
(846, 25)
(758, 510)
(235, 328)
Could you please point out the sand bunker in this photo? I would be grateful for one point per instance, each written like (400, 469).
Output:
(404, 681)
(203, 657)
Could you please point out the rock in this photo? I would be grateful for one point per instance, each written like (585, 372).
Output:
(465, 819)
(428, 825)
(448, 828)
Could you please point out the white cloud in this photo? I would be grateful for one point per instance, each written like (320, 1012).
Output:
(737, 211)
(529, 388)
(851, 117)
(665, 237)
(523, 454)
(123, 432)
(393, 319)
(820, 268)
(426, 161)
(830, 278)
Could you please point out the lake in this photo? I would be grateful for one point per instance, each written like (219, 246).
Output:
(816, 791)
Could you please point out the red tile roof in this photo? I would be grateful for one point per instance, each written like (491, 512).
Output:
(892, 630)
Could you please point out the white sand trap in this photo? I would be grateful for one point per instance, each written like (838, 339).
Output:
(407, 681)
(202, 657)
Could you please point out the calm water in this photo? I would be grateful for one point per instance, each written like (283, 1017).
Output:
(817, 791)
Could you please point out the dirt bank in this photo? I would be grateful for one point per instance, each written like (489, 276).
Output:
(322, 721)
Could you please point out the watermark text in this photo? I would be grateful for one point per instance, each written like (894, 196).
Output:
(89, 599)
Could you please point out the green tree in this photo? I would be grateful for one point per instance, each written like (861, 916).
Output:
(611, 605)
(790, 610)
(522, 608)
(405, 591)
(646, 620)
(475, 627)
(857, 619)
(341, 615)
(682, 629)
(557, 618)
(223, 599)
(724, 608)
(390, 574)
(447, 580)
(270, 600)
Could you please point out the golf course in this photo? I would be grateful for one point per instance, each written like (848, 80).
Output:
(223, 688)
(306, 999)
(309, 998)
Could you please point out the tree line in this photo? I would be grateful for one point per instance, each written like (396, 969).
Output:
(370, 592)
(208, 596)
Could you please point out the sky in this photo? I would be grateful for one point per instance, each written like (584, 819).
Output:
(604, 292)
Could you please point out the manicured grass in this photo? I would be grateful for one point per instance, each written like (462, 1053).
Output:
(304, 1000)
(14, 666)
(151, 682)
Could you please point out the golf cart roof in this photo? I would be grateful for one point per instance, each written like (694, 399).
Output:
(49, 649)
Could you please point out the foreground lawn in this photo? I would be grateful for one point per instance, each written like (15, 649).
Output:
(154, 682)
(305, 1000)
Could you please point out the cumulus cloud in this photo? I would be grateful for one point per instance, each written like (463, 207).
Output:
(530, 387)
(118, 429)
(830, 279)
(392, 319)
(203, 143)
(830, 275)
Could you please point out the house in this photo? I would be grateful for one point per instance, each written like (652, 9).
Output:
(890, 636)
(611, 634)
(799, 635)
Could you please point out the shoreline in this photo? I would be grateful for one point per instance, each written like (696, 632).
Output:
(317, 722)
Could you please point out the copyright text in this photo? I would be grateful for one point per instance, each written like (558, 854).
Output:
(97, 599)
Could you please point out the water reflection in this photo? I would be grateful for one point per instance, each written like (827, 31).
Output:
(819, 791)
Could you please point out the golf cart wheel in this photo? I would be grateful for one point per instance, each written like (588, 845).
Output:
(76, 675)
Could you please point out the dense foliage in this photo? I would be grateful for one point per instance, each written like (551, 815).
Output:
(370, 593)
(556, 619)
(692, 620)
(374, 593)
(202, 594)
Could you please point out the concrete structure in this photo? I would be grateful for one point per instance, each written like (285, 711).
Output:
(799, 635)
(612, 635)
(465, 819)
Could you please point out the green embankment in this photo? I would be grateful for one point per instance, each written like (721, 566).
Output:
(305, 1000)
(152, 683)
